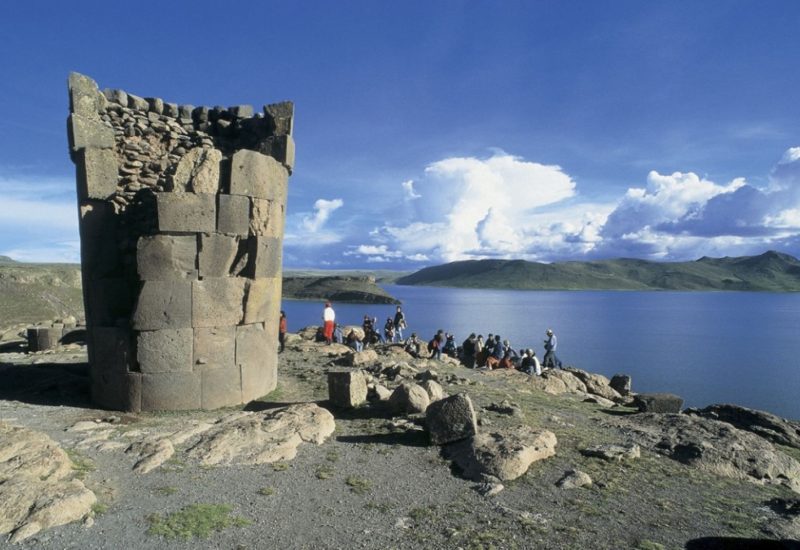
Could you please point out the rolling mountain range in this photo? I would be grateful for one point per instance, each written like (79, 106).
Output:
(771, 271)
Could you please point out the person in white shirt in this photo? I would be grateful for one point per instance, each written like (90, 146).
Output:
(328, 318)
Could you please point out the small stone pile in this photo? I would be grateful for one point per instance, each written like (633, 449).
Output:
(182, 213)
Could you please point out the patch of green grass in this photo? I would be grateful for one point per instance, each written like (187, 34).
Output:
(165, 491)
(195, 520)
(280, 466)
(81, 464)
(173, 464)
(266, 491)
(332, 455)
(382, 507)
(324, 472)
(99, 508)
(422, 513)
(358, 485)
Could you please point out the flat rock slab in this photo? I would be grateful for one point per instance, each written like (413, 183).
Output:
(36, 492)
(263, 437)
(716, 447)
(505, 456)
(658, 403)
(769, 426)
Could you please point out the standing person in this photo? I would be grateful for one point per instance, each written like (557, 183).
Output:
(282, 329)
(399, 324)
(468, 352)
(328, 318)
(551, 361)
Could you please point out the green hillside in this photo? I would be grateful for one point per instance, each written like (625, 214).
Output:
(771, 271)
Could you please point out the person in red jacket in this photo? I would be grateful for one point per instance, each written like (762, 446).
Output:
(282, 329)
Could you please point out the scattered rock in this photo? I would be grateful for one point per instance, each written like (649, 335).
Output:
(347, 389)
(596, 384)
(621, 383)
(451, 419)
(434, 390)
(489, 489)
(572, 382)
(506, 455)
(602, 401)
(361, 358)
(774, 428)
(35, 490)
(658, 403)
(269, 436)
(399, 370)
(574, 479)
(715, 446)
(428, 374)
(379, 393)
(628, 451)
(409, 398)
(152, 454)
(549, 383)
(506, 407)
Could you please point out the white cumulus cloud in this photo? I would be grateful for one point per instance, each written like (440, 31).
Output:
(322, 211)
(408, 190)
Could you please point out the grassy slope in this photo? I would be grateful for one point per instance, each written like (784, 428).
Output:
(36, 292)
(770, 271)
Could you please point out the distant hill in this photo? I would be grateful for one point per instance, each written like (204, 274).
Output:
(5, 260)
(771, 271)
(362, 290)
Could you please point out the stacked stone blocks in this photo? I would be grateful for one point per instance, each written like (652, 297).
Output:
(182, 214)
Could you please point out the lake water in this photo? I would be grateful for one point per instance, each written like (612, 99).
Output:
(708, 347)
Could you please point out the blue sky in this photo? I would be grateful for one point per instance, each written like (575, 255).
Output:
(429, 132)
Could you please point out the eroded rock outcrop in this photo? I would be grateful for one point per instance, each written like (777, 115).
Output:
(769, 426)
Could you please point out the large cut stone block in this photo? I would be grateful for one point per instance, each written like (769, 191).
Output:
(166, 350)
(221, 387)
(111, 349)
(280, 117)
(165, 257)
(216, 255)
(257, 175)
(116, 391)
(658, 402)
(347, 389)
(84, 96)
(214, 347)
(88, 133)
(233, 215)
(262, 300)
(217, 301)
(164, 304)
(96, 173)
(256, 356)
(171, 391)
(107, 301)
(266, 218)
(187, 212)
(44, 338)
(198, 171)
(264, 257)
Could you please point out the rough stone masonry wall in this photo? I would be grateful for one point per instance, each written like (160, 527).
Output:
(182, 212)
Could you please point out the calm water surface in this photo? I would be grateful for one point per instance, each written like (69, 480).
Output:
(708, 347)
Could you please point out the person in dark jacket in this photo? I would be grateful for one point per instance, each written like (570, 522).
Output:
(468, 352)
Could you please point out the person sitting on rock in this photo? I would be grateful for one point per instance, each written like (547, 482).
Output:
(450, 346)
(436, 344)
(338, 334)
(480, 351)
(506, 362)
(354, 341)
(413, 345)
(388, 330)
(530, 363)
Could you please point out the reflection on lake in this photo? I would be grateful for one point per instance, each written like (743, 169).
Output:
(708, 347)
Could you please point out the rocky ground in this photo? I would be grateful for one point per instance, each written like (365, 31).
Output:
(560, 461)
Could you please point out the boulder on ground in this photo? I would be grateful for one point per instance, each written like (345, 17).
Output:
(572, 382)
(451, 419)
(574, 479)
(379, 392)
(506, 455)
(347, 389)
(628, 451)
(361, 358)
(549, 384)
(434, 390)
(596, 384)
(621, 383)
(409, 398)
(36, 492)
(602, 401)
(658, 403)
(716, 447)
(308, 333)
(506, 407)
(427, 375)
(152, 454)
(259, 438)
(774, 428)
(399, 370)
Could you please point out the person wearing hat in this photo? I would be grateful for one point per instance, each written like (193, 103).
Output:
(328, 318)
(551, 361)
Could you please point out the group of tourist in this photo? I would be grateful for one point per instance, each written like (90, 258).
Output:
(474, 352)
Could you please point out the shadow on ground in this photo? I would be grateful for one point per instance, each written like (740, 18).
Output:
(734, 543)
(411, 438)
(46, 383)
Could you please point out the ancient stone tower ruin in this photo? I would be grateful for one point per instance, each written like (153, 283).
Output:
(182, 211)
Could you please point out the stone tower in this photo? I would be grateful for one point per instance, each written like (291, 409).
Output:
(182, 212)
